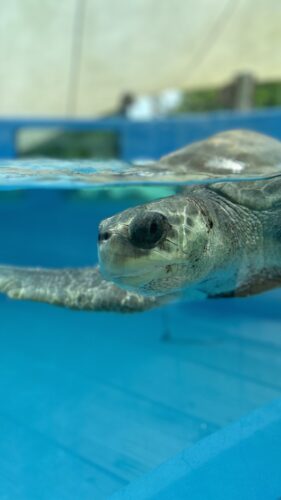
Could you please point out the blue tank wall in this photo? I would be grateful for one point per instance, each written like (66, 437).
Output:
(138, 139)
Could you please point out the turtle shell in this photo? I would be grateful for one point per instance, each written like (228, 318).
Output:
(238, 155)
(235, 154)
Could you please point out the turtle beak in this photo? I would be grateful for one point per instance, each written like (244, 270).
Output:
(112, 248)
(105, 235)
(117, 256)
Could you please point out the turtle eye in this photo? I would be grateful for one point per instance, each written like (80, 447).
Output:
(147, 229)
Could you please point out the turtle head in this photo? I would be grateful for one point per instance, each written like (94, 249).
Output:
(154, 248)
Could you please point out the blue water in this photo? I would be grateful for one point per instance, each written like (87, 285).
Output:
(89, 402)
(70, 174)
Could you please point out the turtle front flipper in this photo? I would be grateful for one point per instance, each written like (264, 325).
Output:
(82, 289)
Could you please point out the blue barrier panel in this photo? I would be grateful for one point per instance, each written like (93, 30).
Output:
(149, 139)
(241, 461)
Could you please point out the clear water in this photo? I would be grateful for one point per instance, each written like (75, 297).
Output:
(66, 174)
(89, 402)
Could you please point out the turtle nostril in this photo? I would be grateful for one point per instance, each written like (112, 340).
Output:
(104, 236)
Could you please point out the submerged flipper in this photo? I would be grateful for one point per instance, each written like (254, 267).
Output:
(82, 289)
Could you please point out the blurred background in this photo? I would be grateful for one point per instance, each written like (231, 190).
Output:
(138, 60)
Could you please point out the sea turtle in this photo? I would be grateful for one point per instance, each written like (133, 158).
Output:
(217, 239)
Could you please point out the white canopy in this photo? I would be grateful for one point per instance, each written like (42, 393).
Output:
(78, 57)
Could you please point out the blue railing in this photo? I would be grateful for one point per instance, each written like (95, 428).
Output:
(147, 139)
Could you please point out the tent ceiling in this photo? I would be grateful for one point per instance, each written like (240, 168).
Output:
(78, 57)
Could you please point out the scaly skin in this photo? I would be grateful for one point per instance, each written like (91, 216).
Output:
(212, 246)
(81, 289)
(219, 247)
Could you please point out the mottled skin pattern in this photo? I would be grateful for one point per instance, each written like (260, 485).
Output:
(214, 247)
(80, 289)
(216, 240)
